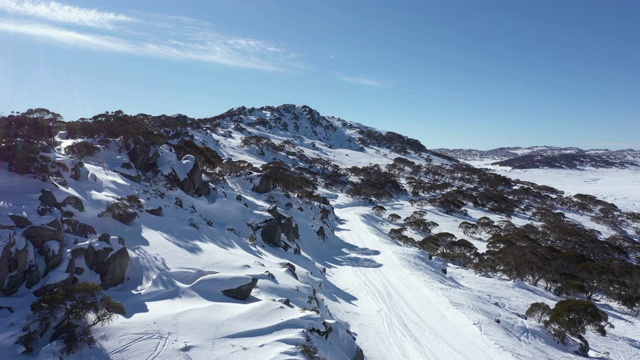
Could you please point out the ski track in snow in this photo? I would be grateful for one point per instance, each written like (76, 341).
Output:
(399, 312)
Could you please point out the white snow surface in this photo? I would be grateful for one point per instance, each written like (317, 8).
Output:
(394, 300)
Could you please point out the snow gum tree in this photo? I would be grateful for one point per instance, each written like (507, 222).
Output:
(574, 318)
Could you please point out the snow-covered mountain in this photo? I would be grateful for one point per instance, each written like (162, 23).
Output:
(276, 232)
(548, 157)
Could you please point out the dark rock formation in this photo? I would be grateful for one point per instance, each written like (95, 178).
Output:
(38, 235)
(48, 287)
(73, 201)
(156, 211)
(271, 232)
(265, 184)
(47, 198)
(321, 233)
(135, 178)
(194, 184)
(241, 292)
(112, 271)
(142, 155)
(122, 212)
(290, 229)
(20, 221)
(292, 269)
(75, 227)
(78, 172)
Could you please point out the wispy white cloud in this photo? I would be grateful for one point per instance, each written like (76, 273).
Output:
(364, 80)
(55, 11)
(145, 34)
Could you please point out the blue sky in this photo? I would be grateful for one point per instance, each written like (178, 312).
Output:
(456, 74)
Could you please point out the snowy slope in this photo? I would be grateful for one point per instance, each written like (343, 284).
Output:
(387, 298)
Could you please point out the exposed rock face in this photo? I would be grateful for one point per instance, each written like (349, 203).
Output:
(78, 172)
(20, 221)
(359, 354)
(271, 232)
(157, 211)
(38, 235)
(122, 213)
(265, 184)
(15, 266)
(48, 287)
(142, 155)
(110, 265)
(47, 198)
(73, 201)
(290, 229)
(194, 184)
(112, 271)
(74, 227)
(241, 292)
(321, 233)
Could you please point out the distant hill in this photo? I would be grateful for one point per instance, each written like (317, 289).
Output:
(548, 157)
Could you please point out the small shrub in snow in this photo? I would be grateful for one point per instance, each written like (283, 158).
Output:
(538, 311)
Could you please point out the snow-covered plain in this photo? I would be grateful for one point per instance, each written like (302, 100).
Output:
(392, 298)
(618, 186)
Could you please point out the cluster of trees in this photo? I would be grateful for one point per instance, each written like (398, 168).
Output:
(568, 259)
(571, 317)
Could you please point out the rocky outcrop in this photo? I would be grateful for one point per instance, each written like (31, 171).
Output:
(47, 198)
(271, 232)
(273, 229)
(73, 201)
(121, 212)
(142, 155)
(264, 185)
(75, 227)
(290, 229)
(16, 266)
(38, 235)
(113, 270)
(194, 184)
(155, 211)
(79, 172)
(103, 259)
(241, 292)
(20, 221)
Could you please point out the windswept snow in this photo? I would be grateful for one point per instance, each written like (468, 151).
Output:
(400, 307)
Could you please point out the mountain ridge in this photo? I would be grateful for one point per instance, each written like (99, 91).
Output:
(249, 237)
(536, 157)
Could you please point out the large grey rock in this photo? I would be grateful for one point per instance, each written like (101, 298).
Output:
(6, 258)
(194, 184)
(271, 232)
(73, 201)
(290, 229)
(67, 281)
(242, 292)
(53, 253)
(47, 198)
(38, 235)
(142, 155)
(78, 172)
(18, 266)
(359, 354)
(155, 211)
(265, 184)
(113, 270)
(75, 227)
(122, 212)
(20, 221)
